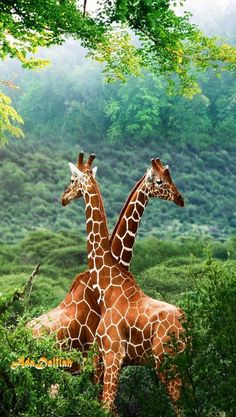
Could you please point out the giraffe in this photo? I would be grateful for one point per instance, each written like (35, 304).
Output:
(157, 182)
(132, 326)
(76, 318)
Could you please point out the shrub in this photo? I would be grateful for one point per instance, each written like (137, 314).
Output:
(26, 391)
(208, 367)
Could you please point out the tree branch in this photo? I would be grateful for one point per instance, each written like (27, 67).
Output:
(84, 8)
(9, 84)
(20, 293)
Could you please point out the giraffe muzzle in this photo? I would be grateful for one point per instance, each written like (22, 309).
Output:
(179, 201)
(65, 199)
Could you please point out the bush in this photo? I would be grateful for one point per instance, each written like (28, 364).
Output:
(208, 367)
(26, 391)
(165, 282)
(151, 251)
(68, 257)
(141, 394)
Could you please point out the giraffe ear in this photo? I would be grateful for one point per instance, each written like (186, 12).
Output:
(75, 171)
(94, 171)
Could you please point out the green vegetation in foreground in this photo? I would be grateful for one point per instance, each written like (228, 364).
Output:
(27, 391)
(162, 267)
(179, 271)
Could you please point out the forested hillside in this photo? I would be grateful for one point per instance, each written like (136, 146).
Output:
(68, 107)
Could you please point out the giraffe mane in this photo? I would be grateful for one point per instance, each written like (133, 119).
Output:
(86, 276)
(125, 206)
(78, 279)
(101, 205)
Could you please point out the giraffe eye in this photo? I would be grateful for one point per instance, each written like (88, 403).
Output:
(159, 182)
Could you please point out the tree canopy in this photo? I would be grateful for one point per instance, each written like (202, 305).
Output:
(126, 36)
(166, 41)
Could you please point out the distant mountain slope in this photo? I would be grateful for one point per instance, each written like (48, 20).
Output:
(34, 175)
(69, 107)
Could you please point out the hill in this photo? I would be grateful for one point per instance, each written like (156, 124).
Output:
(68, 107)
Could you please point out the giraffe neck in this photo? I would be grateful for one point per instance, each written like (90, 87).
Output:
(124, 233)
(98, 246)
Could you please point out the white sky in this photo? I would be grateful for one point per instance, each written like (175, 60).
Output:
(207, 4)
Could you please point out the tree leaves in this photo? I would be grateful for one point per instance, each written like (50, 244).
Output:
(167, 43)
(8, 116)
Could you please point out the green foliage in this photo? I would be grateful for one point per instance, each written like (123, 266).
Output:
(43, 244)
(32, 183)
(25, 26)
(72, 101)
(26, 391)
(126, 125)
(152, 251)
(29, 384)
(135, 111)
(141, 394)
(61, 257)
(167, 45)
(175, 271)
(208, 368)
(44, 23)
(119, 54)
(8, 116)
(164, 269)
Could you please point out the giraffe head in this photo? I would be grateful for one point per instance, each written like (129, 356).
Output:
(159, 183)
(81, 177)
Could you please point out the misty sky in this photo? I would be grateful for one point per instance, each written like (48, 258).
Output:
(201, 5)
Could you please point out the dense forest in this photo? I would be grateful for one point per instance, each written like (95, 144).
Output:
(185, 256)
(68, 107)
